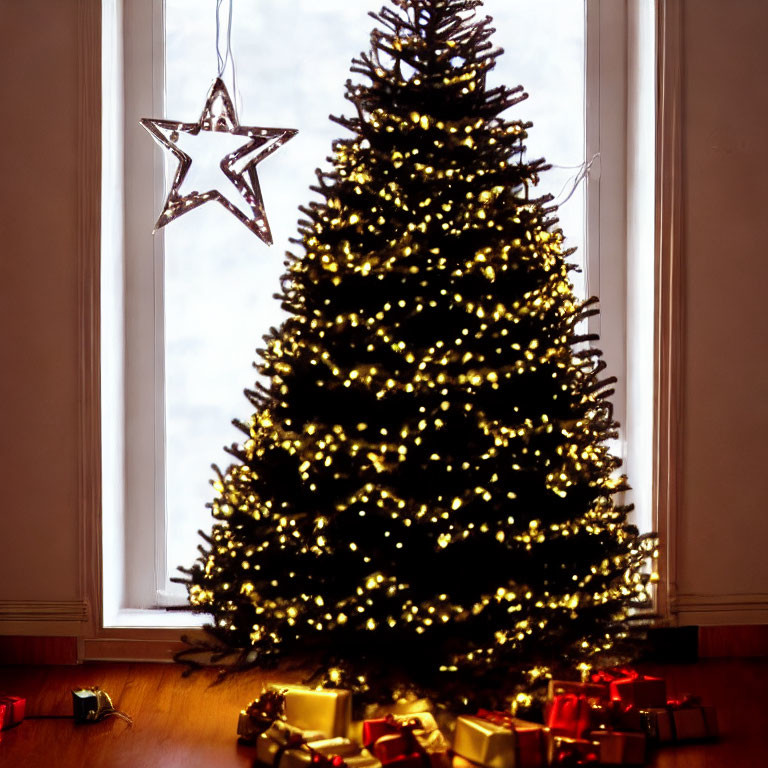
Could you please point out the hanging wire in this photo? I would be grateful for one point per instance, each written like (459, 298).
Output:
(228, 57)
(582, 171)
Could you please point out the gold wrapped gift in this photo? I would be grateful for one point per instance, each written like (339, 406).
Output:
(338, 745)
(279, 738)
(498, 746)
(364, 760)
(327, 710)
(303, 755)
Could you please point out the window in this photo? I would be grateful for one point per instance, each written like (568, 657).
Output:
(183, 310)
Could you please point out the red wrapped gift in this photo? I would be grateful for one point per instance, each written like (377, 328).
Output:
(12, 712)
(572, 752)
(400, 751)
(632, 687)
(408, 740)
(569, 714)
(619, 748)
(375, 728)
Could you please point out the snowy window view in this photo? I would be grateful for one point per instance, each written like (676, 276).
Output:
(292, 59)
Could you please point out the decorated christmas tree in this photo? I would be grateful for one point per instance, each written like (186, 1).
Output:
(424, 499)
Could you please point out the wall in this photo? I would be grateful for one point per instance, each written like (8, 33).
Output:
(722, 568)
(39, 575)
(722, 571)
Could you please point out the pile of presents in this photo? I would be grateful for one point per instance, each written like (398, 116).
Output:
(612, 720)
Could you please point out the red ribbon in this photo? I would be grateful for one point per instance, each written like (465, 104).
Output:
(687, 702)
(612, 675)
(618, 677)
(410, 746)
(503, 719)
(570, 756)
(323, 761)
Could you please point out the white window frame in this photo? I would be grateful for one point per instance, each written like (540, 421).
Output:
(619, 235)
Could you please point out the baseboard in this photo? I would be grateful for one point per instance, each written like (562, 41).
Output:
(37, 650)
(38, 618)
(43, 610)
(746, 641)
(727, 610)
(122, 649)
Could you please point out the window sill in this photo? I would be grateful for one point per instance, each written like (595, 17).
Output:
(137, 618)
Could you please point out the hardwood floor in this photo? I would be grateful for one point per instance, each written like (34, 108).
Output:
(190, 723)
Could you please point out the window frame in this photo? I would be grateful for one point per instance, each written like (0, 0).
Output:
(124, 226)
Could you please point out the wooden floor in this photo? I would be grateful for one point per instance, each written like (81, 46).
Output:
(189, 723)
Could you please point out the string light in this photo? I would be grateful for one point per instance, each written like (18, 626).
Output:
(431, 423)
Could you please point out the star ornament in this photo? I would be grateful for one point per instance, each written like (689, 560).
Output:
(239, 166)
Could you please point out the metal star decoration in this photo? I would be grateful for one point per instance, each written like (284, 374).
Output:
(219, 115)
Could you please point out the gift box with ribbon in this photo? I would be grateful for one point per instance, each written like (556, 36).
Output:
(569, 714)
(691, 720)
(279, 738)
(568, 753)
(619, 747)
(285, 746)
(631, 687)
(684, 719)
(658, 724)
(411, 740)
(498, 740)
(616, 716)
(11, 711)
(260, 714)
(323, 709)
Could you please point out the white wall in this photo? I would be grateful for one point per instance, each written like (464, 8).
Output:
(723, 524)
(39, 576)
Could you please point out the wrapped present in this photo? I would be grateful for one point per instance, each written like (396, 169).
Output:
(595, 693)
(564, 751)
(324, 709)
(397, 750)
(375, 728)
(680, 720)
(569, 714)
(498, 740)
(279, 738)
(691, 720)
(11, 711)
(260, 714)
(616, 716)
(407, 740)
(619, 747)
(304, 756)
(362, 760)
(658, 724)
(631, 687)
(283, 746)
(91, 705)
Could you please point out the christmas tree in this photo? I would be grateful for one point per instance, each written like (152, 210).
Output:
(424, 498)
